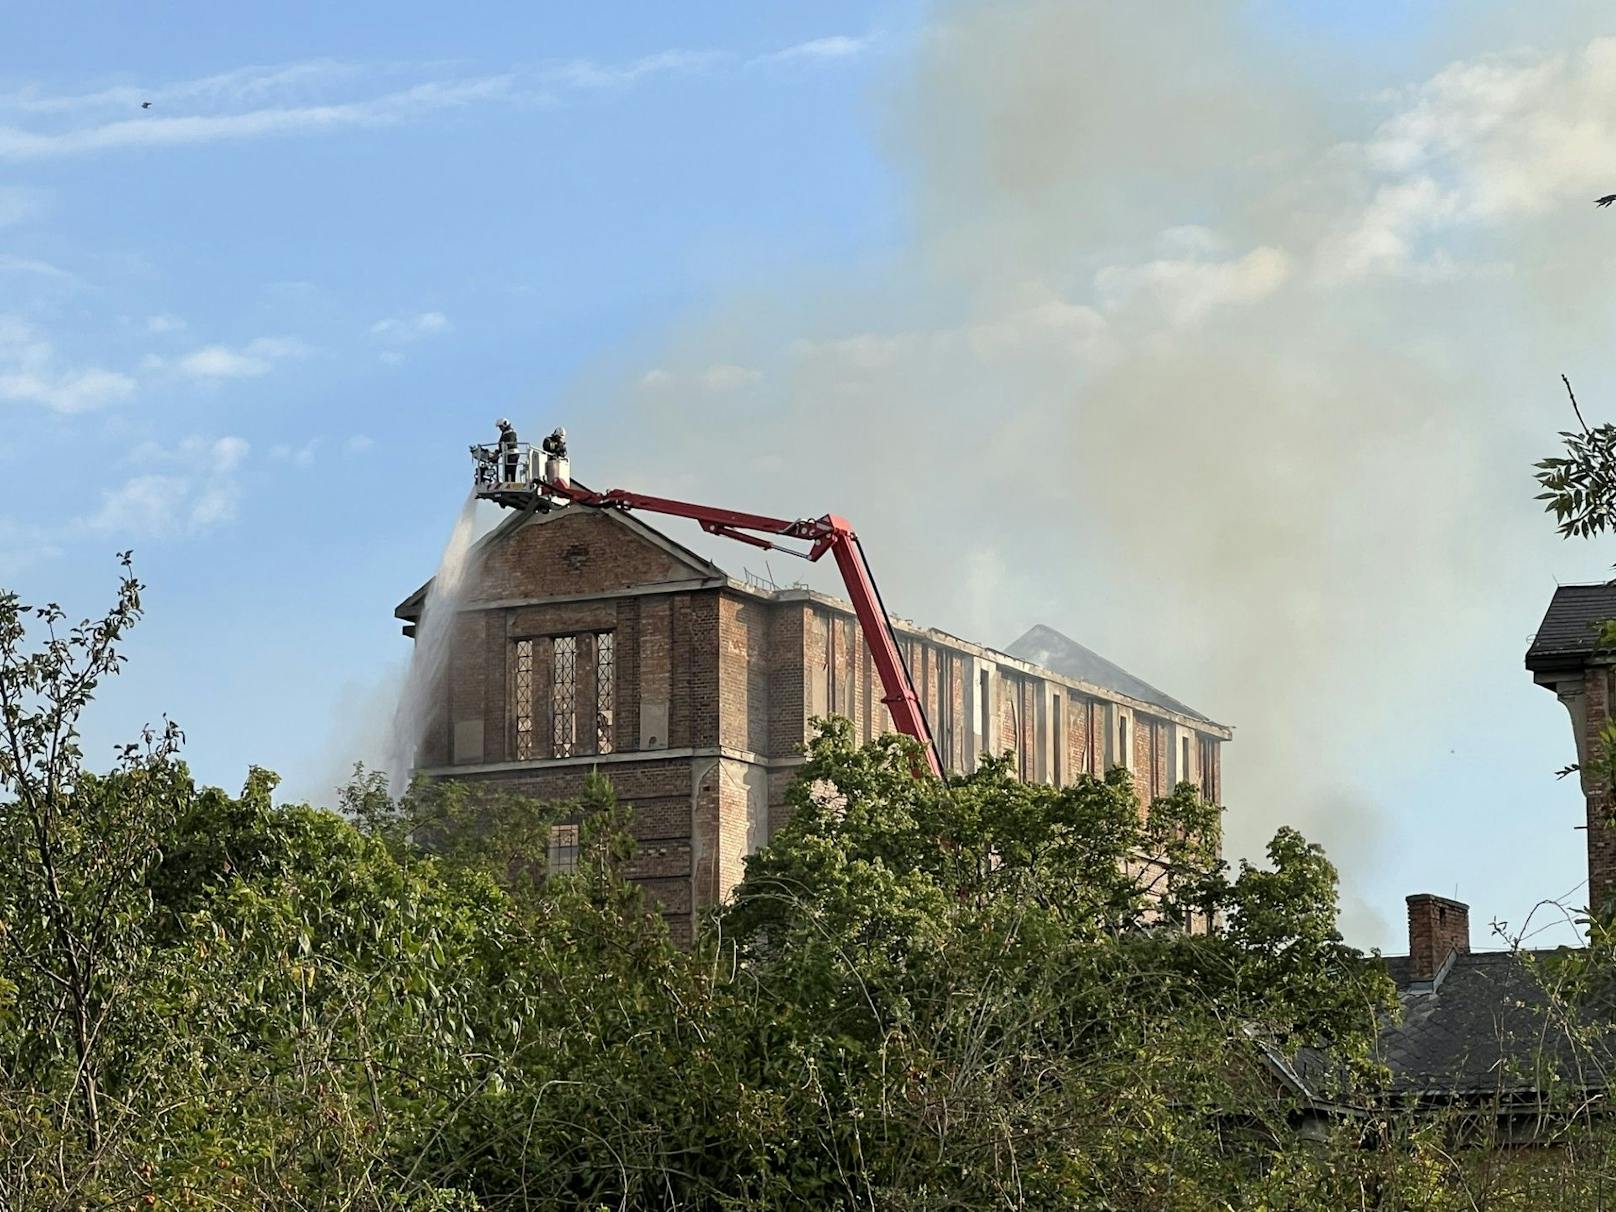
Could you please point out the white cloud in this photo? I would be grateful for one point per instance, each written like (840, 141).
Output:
(144, 505)
(588, 74)
(196, 492)
(217, 362)
(27, 265)
(1477, 146)
(152, 131)
(23, 544)
(838, 46)
(31, 372)
(312, 98)
(257, 357)
(298, 456)
(224, 454)
(358, 444)
(164, 323)
(244, 85)
(18, 205)
(69, 391)
(411, 328)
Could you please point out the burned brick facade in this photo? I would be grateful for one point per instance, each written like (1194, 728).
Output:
(590, 641)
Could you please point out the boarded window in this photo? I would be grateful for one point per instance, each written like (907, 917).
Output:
(1209, 754)
(522, 691)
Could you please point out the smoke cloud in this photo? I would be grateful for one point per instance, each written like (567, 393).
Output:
(1231, 374)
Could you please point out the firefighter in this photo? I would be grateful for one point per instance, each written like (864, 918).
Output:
(507, 449)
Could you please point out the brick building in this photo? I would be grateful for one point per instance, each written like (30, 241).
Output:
(1566, 656)
(589, 640)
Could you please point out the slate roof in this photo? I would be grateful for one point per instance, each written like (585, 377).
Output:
(1570, 628)
(1046, 647)
(1487, 1027)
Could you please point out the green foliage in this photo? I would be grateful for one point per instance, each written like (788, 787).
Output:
(994, 979)
(923, 996)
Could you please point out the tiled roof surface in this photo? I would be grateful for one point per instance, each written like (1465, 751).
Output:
(1570, 628)
(1053, 651)
(1488, 1027)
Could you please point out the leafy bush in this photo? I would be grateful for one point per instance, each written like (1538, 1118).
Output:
(924, 995)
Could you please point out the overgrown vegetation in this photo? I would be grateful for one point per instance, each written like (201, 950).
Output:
(924, 996)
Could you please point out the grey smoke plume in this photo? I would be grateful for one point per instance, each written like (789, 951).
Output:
(1233, 375)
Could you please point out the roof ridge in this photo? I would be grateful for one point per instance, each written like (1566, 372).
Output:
(1102, 671)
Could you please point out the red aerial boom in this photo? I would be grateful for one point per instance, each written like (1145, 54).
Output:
(830, 534)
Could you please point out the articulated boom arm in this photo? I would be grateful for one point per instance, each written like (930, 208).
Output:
(827, 534)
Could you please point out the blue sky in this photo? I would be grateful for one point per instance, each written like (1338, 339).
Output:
(354, 296)
(1219, 342)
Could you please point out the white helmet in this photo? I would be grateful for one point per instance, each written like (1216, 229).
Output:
(503, 423)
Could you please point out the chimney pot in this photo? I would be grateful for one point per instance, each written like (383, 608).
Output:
(1437, 928)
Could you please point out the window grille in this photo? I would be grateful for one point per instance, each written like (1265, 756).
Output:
(1209, 789)
(563, 850)
(605, 692)
(524, 701)
(564, 697)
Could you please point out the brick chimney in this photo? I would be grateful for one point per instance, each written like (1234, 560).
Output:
(1437, 928)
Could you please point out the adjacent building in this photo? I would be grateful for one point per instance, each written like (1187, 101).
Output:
(1487, 1035)
(589, 640)
(1567, 657)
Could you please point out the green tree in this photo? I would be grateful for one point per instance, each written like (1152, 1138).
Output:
(75, 849)
(991, 996)
(924, 995)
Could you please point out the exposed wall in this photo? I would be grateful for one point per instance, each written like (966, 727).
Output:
(665, 799)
